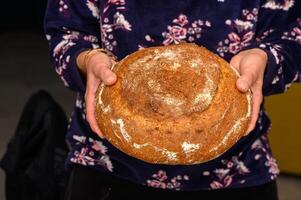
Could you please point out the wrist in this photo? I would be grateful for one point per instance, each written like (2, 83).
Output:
(80, 61)
(84, 58)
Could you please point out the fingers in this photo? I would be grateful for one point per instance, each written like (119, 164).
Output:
(256, 102)
(251, 79)
(244, 83)
(98, 70)
(92, 84)
(247, 78)
(107, 76)
(251, 65)
(99, 65)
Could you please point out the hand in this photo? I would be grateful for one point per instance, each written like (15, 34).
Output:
(96, 69)
(251, 65)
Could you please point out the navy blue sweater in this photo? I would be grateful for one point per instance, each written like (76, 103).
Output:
(225, 27)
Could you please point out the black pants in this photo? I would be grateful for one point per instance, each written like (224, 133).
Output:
(86, 184)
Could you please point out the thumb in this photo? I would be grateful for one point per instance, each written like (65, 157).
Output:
(107, 76)
(247, 78)
(244, 83)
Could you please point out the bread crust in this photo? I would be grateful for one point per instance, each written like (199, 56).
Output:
(175, 104)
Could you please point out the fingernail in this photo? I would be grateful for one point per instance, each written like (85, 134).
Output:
(111, 79)
(241, 85)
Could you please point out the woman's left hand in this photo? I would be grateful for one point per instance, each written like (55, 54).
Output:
(251, 66)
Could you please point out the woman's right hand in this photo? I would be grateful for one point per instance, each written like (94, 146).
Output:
(96, 69)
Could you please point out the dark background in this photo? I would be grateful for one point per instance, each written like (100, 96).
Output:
(24, 66)
(22, 15)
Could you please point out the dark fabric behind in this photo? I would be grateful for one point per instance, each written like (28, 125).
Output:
(35, 156)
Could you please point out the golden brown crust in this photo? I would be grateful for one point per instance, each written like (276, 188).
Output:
(176, 104)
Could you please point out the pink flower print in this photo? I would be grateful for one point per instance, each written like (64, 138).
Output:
(109, 24)
(241, 25)
(181, 30)
(216, 185)
(149, 38)
(234, 47)
(162, 181)
(105, 162)
(223, 183)
(246, 12)
(273, 167)
(186, 177)
(221, 173)
(294, 34)
(92, 5)
(233, 37)
(297, 34)
(241, 33)
(98, 146)
(296, 31)
(117, 2)
(274, 5)
(236, 43)
(257, 144)
(93, 154)
(247, 37)
(181, 20)
(175, 35)
(63, 7)
(140, 47)
(79, 139)
(105, 29)
(156, 184)
(175, 182)
(121, 22)
(206, 173)
(257, 156)
(68, 40)
(250, 16)
(230, 164)
(240, 166)
(234, 168)
(161, 175)
(227, 181)
(82, 158)
(264, 35)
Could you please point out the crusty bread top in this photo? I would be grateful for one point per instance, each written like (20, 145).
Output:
(176, 104)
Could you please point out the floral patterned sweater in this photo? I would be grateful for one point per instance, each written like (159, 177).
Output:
(225, 27)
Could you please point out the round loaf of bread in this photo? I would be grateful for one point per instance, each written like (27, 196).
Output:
(175, 104)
